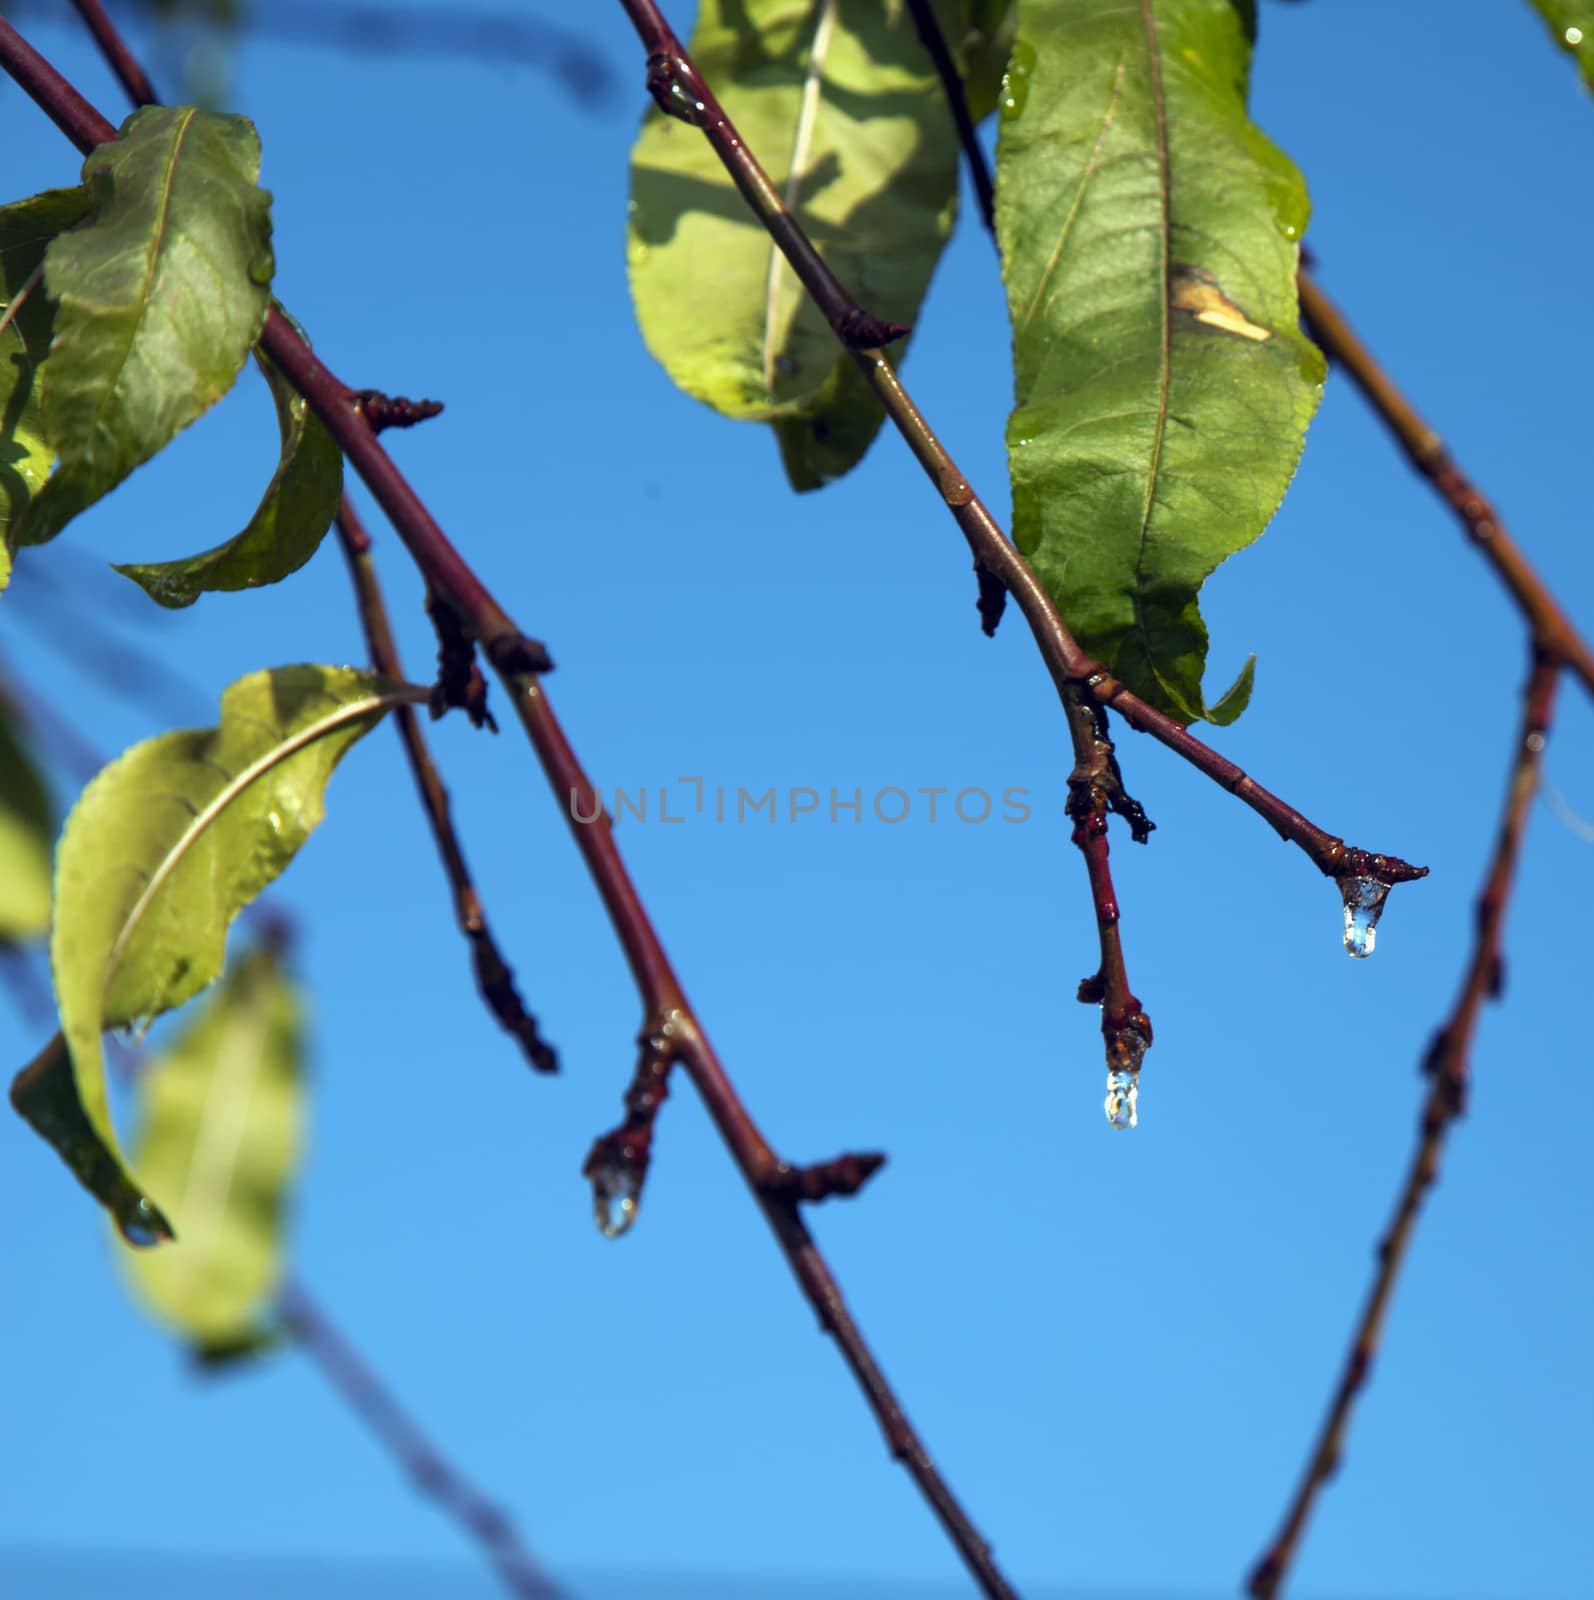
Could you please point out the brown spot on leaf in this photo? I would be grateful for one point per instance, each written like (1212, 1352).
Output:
(1197, 292)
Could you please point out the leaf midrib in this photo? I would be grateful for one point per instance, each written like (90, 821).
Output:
(1165, 345)
(146, 296)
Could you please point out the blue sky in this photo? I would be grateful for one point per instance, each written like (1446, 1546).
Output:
(1116, 1346)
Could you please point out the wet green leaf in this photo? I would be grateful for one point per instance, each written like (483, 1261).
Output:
(26, 230)
(1150, 238)
(1571, 24)
(992, 27)
(27, 831)
(288, 525)
(175, 837)
(840, 101)
(220, 1131)
(160, 294)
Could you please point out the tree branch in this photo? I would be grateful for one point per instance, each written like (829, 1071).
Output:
(680, 91)
(1446, 1066)
(494, 978)
(1427, 453)
(399, 1434)
(519, 661)
(935, 46)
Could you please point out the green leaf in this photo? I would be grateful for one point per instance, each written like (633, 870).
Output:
(27, 831)
(26, 457)
(1571, 24)
(992, 27)
(175, 837)
(218, 1145)
(1149, 237)
(840, 102)
(160, 295)
(288, 525)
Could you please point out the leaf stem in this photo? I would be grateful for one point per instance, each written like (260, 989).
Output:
(957, 102)
(494, 978)
(1446, 1067)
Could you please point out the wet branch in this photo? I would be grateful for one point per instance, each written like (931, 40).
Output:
(399, 1434)
(494, 978)
(779, 1188)
(1095, 788)
(1446, 1067)
(680, 91)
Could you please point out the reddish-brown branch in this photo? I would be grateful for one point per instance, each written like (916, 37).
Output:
(428, 1468)
(1446, 1067)
(518, 662)
(494, 977)
(679, 89)
(1427, 453)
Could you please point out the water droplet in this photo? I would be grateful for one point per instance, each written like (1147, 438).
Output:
(1123, 1090)
(1015, 81)
(1573, 38)
(1364, 904)
(262, 267)
(143, 1226)
(616, 1193)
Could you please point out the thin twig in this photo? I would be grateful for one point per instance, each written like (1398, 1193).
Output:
(400, 1435)
(680, 91)
(1427, 453)
(1125, 1027)
(519, 661)
(1446, 1066)
(494, 978)
(935, 45)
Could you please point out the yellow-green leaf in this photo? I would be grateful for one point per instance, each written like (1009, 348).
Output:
(175, 837)
(26, 457)
(840, 101)
(220, 1132)
(288, 525)
(27, 830)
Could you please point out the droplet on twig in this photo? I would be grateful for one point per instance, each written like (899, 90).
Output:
(1364, 904)
(1123, 1090)
(616, 1195)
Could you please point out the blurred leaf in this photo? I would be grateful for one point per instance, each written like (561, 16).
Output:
(847, 115)
(160, 294)
(26, 229)
(1571, 25)
(1149, 238)
(288, 525)
(992, 27)
(27, 832)
(218, 1145)
(174, 838)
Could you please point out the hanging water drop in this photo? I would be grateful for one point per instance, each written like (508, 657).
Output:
(1364, 904)
(143, 1226)
(616, 1192)
(1123, 1090)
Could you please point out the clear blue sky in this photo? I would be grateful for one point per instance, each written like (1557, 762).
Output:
(1117, 1346)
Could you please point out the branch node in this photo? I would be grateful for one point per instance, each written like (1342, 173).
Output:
(459, 679)
(518, 654)
(992, 600)
(824, 1180)
(392, 410)
(668, 82)
(862, 330)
